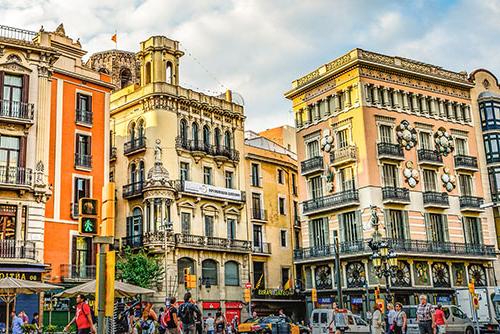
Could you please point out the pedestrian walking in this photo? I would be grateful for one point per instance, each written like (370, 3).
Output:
(440, 320)
(220, 323)
(17, 322)
(425, 316)
(169, 319)
(391, 315)
(210, 324)
(35, 322)
(235, 323)
(189, 313)
(83, 317)
(400, 319)
(377, 321)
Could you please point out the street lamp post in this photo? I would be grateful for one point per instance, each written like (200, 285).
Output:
(384, 258)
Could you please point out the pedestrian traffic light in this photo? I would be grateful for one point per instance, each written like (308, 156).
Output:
(192, 282)
(88, 219)
(314, 295)
(247, 295)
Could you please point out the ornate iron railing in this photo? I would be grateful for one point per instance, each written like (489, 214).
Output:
(134, 145)
(312, 164)
(83, 160)
(72, 272)
(429, 155)
(133, 189)
(84, 117)
(465, 161)
(331, 201)
(16, 175)
(389, 149)
(437, 198)
(17, 249)
(471, 202)
(21, 111)
(395, 193)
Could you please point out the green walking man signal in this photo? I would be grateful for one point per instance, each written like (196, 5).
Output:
(88, 220)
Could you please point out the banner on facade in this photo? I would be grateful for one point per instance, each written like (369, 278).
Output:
(28, 276)
(325, 300)
(208, 190)
(273, 292)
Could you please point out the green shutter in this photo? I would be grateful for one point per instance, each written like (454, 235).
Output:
(340, 219)
(445, 228)
(388, 225)
(480, 230)
(428, 227)
(326, 229)
(406, 225)
(359, 225)
(466, 230)
(311, 241)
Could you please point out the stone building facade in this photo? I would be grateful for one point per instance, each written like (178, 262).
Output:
(122, 66)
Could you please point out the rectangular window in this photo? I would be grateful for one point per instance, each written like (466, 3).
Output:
(209, 226)
(83, 102)
(257, 212)
(255, 175)
(347, 179)
(285, 276)
(492, 147)
(184, 171)
(386, 134)
(430, 180)
(425, 140)
(437, 228)
(343, 138)
(229, 179)
(81, 189)
(231, 228)
(281, 178)
(294, 184)
(473, 231)
(318, 232)
(11, 157)
(259, 279)
(465, 184)
(494, 176)
(313, 149)
(460, 146)
(83, 150)
(207, 175)
(316, 187)
(8, 216)
(283, 238)
(185, 223)
(351, 229)
(281, 203)
(257, 237)
(390, 175)
(397, 224)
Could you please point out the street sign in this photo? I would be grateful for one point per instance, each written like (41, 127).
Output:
(248, 285)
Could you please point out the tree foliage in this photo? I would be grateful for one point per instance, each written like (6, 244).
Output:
(140, 268)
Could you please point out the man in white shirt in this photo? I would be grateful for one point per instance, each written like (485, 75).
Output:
(209, 324)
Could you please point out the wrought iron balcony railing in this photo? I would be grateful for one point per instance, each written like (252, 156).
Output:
(465, 161)
(396, 194)
(435, 198)
(311, 165)
(84, 117)
(134, 145)
(259, 214)
(432, 156)
(74, 273)
(18, 176)
(471, 202)
(390, 150)
(196, 145)
(133, 189)
(336, 200)
(17, 249)
(344, 155)
(18, 111)
(83, 160)
(263, 248)
(16, 33)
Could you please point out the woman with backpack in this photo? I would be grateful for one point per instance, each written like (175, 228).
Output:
(399, 320)
(169, 320)
(220, 323)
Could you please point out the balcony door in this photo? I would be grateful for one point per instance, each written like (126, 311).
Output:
(465, 184)
(256, 206)
(316, 187)
(436, 228)
(386, 134)
(231, 228)
(473, 231)
(430, 182)
(425, 140)
(81, 257)
(342, 138)
(346, 176)
(209, 226)
(390, 175)
(134, 228)
(313, 149)
(460, 146)
(351, 229)
(257, 237)
(397, 227)
(318, 233)
(11, 157)
(13, 93)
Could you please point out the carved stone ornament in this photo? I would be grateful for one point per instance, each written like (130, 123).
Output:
(449, 181)
(158, 175)
(327, 141)
(411, 174)
(444, 142)
(407, 135)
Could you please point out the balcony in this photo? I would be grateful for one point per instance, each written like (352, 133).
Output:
(417, 247)
(296, 222)
(212, 243)
(132, 190)
(263, 249)
(196, 189)
(75, 273)
(74, 210)
(17, 249)
(471, 203)
(344, 155)
(390, 151)
(112, 153)
(83, 117)
(199, 148)
(335, 201)
(395, 195)
(430, 157)
(314, 164)
(465, 162)
(259, 214)
(16, 112)
(16, 33)
(135, 145)
(434, 199)
(83, 160)
(15, 177)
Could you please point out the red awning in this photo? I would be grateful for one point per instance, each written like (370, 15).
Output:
(234, 305)
(210, 305)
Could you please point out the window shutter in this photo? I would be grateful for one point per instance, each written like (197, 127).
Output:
(312, 242)
(78, 101)
(90, 103)
(326, 228)
(428, 228)
(388, 224)
(359, 225)
(445, 228)
(341, 222)
(1, 84)
(22, 151)
(406, 224)
(466, 230)
(480, 230)
(73, 246)
(89, 147)
(26, 88)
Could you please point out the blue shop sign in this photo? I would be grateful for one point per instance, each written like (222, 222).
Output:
(443, 299)
(325, 300)
(356, 300)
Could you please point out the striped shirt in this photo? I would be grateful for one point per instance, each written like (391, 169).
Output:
(424, 312)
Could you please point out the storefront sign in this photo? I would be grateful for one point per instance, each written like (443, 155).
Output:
(211, 305)
(208, 190)
(29, 276)
(325, 300)
(443, 299)
(234, 305)
(356, 300)
(273, 292)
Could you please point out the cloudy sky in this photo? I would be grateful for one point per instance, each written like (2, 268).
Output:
(258, 47)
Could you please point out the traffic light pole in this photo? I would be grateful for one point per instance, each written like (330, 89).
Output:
(102, 289)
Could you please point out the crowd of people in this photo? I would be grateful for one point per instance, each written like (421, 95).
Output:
(21, 319)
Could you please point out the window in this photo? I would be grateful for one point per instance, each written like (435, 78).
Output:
(14, 93)
(217, 138)
(283, 238)
(396, 224)
(134, 227)
(465, 184)
(343, 138)
(494, 176)
(490, 114)
(231, 274)
(81, 189)
(256, 206)
(281, 204)
(425, 140)
(229, 179)
(194, 133)
(8, 217)
(313, 149)
(209, 272)
(390, 175)
(148, 72)
(184, 171)
(141, 171)
(346, 179)
(184, 263)
(436, 227)
(259, 279)
(296, 211)
(185, 223)
(255, 175)
(281, 178)
(81, 256)
(206, 137)
(285, 276)
(492, 147)
(209, 226)
(350, 227)
(473, 230)
(125, 77)
(316, 187)
(430, 181)
(231, 228)
(169, 78)
(83, 150)
(227, 140)
(318, 232)
(183, 131)
(207, 175)
(460, 146)
(257, 237)
(385, 133)
(11, 157)
(84, 108)
(294, 184)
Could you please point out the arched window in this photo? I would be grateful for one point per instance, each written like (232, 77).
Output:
(103, 70)
(206, 136)
(141, 172)
(168, 73)
(209, 272)
(183, 263)
(227, 140)
(140, 129)
(183, 131)
(131, 131)
(132, 173)
(147, 70)
(231, 274)
(134, 227)
(194, 132)
(125, 77)
(217, 137)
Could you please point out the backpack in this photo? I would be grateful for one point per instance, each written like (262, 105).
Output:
(186, 313)
(92, 314)
(166, 320)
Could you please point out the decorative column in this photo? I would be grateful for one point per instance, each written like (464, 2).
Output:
(327, 105)
(162, 213)
(151, 215)
(434, 111)
(406, 103)
(395, 98)
(332, 273)
(307, 110)
(368, 98)
(459, 112)
(145, 221)
(442, 108)
(449, 109)
(467, 113)
(412, 273)
(347, 97)
(375, 95)
(355, 93)
(429, 265)
(367, 275)
(414, 102)
(317, 115)
(337, 101)
(423, 104)
(313, 274)
(385, 96)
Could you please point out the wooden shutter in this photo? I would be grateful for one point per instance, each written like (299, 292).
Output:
(2, 74)
(341, 222)
(311, 236)
(78, 101)
(326, 228)
(480, 229)
(22, 151)
(359, 225)
(445, 228)
(406, 225)
(73, 245)
(388, 223)
(26, 88)
(428, 227)
(89, 103)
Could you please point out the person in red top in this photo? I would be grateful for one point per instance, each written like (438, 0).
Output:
(83, 317)
(440, 320)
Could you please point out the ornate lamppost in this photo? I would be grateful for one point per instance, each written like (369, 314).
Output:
(384, 258)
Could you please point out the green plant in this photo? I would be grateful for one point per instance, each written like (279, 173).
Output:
(50, 329)
(29, 328)
(141, 268)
